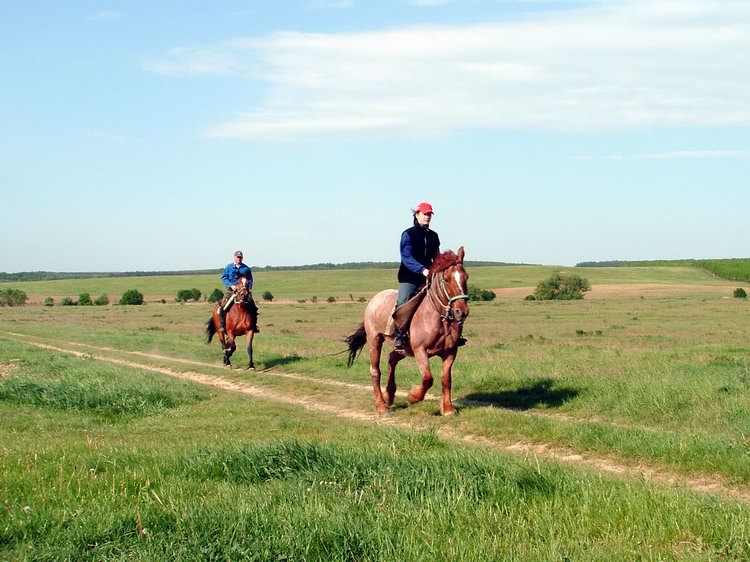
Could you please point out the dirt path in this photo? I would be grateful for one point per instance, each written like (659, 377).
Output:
(716, 485)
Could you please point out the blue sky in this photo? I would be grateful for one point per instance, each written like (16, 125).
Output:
(164, 135)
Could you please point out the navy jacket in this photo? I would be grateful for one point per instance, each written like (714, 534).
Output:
(232, 274)
(419, 247)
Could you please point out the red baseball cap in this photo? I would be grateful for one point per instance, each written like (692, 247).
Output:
(424, 208)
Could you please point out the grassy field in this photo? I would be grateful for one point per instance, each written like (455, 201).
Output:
(611, 428)
(348, 284)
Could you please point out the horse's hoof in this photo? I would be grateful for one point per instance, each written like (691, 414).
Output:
(228, 366)
(384, 413)
(449, 413)
(250, 368)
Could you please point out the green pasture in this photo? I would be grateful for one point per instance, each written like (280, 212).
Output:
(102, 460)
(351, 284)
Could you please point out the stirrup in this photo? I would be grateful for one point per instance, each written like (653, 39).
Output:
(399, 342)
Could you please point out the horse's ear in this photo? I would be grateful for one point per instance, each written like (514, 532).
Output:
(461, 254)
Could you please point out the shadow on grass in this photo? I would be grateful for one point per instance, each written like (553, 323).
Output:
(279, 361)
(539, 393)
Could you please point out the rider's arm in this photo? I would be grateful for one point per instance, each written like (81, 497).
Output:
(226, 278)
(407, 256)
(249, 278)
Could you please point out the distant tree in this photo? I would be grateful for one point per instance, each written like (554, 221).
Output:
(49, 301)
(132, 296)
(67, 301)
(314, 298)
(216, 295)
(185, 295)
(84, 299)
(12, 297)
(331, 299)
(561, 287)
(740, 293)
(102, 300)
(267, 296)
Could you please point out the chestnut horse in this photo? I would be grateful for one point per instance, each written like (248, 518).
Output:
(241, 319)
(435, 330)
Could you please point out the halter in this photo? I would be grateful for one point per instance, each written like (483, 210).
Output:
(447, 312)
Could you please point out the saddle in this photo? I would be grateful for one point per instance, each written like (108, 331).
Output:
(401, 315)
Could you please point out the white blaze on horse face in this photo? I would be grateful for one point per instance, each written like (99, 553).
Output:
(460, 286)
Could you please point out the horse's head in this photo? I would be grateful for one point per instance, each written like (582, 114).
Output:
(451, 279)
(242, 293)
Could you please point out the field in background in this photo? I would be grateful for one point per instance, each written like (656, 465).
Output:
(345, 284)
(610, 428)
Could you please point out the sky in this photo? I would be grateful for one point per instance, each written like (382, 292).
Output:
(164, 135)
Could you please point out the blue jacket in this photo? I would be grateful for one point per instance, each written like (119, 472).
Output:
(419, 247)
(232, 274)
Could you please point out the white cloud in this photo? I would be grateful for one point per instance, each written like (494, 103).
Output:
(631, 64)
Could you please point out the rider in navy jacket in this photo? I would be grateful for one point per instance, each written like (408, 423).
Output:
(419, 247)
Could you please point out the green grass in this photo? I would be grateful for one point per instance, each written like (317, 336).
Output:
(103, 461)
(346, 285)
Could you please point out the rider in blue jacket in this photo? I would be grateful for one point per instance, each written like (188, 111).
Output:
(231, 278)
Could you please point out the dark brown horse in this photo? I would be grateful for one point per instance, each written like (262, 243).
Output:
(435, 330)
(241, 319)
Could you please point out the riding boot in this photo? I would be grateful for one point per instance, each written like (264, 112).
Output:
(399, 339)
(223, 318)
(460, 342)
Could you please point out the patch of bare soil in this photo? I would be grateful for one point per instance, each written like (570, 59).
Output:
(629, 290)
(709, 484)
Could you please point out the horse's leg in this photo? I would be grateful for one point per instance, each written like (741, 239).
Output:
(376, 346)
(228, 350)
(446, 403)
(390, 389)
(250, 335)
(417, 392)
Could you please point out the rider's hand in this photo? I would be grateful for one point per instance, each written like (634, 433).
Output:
(426, 272)
(233, 287)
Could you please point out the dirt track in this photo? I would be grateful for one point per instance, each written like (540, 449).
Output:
(715, 485)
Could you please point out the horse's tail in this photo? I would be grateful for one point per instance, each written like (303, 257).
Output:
(210, 329)
(356, 342)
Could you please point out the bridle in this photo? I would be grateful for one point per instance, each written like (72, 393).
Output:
(442, 300)
(242, 293)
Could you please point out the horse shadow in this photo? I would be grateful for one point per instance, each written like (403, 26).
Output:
(279, 361)
(539, 393)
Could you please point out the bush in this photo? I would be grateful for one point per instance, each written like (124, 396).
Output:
(477, 294)
(740, 293)
(102, 300)
(12, 297)
(133, 296)
(331, 299)
(561, 286)
(267, 296)
(49, 301)
(185, 295)
(84, 299)
(216, 295)
(314, 299)
(67, 301)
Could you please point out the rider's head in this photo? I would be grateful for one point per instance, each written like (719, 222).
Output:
(423, 214)
(238, 257)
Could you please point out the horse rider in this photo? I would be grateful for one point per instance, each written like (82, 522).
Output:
(233, 272)
(419, 247)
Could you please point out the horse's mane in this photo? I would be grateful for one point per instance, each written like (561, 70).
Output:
(443, 261)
